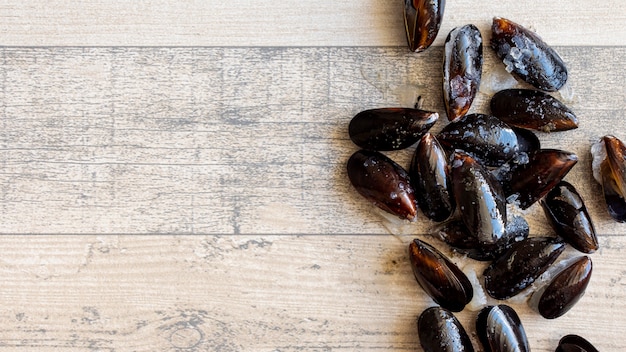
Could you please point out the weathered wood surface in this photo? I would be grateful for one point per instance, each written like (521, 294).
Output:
(288, 22)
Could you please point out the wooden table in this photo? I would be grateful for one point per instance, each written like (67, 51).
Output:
(173, 173)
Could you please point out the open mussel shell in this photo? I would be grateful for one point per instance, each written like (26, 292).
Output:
(390, 128)
(609, 169)
(532, 109)
(526, 55)
(574, 343)
(531, 181)
(521, 265)
(479, 198)
(431, 179)
(484, 137)
(565, 289)
(569, 217)
(383, 182)
(422, 19)
(443, 281)
(440, 331)
(462, 69)
(499, 329)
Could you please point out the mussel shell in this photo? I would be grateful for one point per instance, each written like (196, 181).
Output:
(612, 174)
(456, 234)
(462, 69)
(383, 182)
(430, 177)
(574, 343)
(532, 109)
(527, 141)
(565, 289)
(521, 265)
(443, 281)
(440, 331)
(569, 217)
(531, 181)
(484, 137)
(390, 128)
(422, 19)
(527, 55)
(499, 329)
(479, 198)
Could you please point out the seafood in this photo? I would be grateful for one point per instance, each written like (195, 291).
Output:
(422, 19)
(390, 128)
(431, 179)
(443, 281)
(574, 343)
(521, 265)
(462, 69)
(527, 56)
(609, 169)
(440, 331)
(499, 329)
(565, 289)
(383, 182)
(569, 217)
(532, 109)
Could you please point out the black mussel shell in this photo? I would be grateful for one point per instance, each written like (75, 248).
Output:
(457, 236)
(532, 109)
(521, 265)
(479, 198)
(431, 179)
(443, 281)
(527, 141)
(499, 329)
(574, 343)
(462, 69)
(390, 128)
(422, 19)
(440, 331)
(484, 137)
(544, 170)
(527, 55)
(383, 182)
(565, 289)
(609, 165)
(569, 217)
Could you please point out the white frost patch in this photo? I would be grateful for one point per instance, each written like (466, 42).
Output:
(479, 300)
(598, 153)
(496, 80)
(406, 94)
(566, 93)
(394, 224)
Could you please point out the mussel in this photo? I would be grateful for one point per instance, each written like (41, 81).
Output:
(383, 182)
(440, 331)
(462, 69)
(484, 137)
(574, 343)
(390, 128)
(479, 198)
(565, 289)
(609, 169)
(532, 109)
(569, 217)
(527, 55)
(499, 329)
(521, 265)
(422, 19)
(443, 281)
(431, 179)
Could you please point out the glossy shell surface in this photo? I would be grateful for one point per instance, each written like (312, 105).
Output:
(390, 128)
(462, 69)
(499, 329)
(383, 182)
(422, 19)
(443, 281)
(609, 169)
(526, 55)
(565, 289)
(440, 331)
(532, 109)
(520, 266)
(575, 343)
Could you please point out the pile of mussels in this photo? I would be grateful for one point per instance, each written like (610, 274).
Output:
(472, 176)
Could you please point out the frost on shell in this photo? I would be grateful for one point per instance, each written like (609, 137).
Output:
(598, 153)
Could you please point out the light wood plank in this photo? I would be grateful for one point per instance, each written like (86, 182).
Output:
(288, 22)
(250, 293)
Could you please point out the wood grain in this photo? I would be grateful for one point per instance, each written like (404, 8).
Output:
(288, 22)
